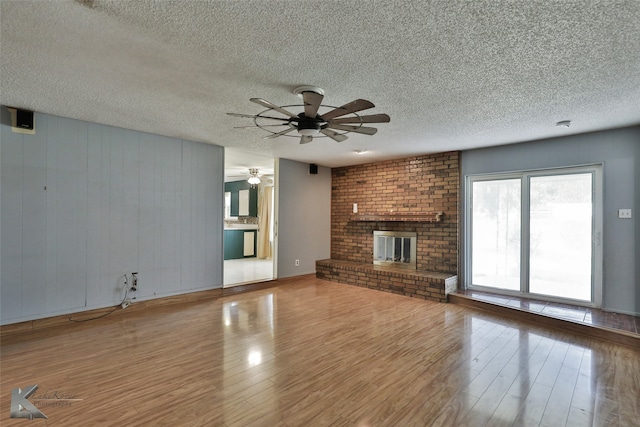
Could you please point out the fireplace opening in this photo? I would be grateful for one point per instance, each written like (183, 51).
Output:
(395, 249)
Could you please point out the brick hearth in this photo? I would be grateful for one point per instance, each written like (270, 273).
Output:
(427, 285)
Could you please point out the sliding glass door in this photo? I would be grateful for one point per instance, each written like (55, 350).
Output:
(536, 233)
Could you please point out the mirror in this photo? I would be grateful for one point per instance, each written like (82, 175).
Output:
(227, 204)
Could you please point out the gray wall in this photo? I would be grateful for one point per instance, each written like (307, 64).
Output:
(116, 201)
(304, 217)
(619, 151)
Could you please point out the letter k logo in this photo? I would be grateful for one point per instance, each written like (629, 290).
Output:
(21, 407)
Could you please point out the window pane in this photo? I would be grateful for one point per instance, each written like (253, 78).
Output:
(406, 250)
(397, 250)
(389, 249)
(496, 234)
(380, 248)
(560, 236)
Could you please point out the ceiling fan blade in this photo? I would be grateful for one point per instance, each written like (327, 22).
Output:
(254, 116)
(356, 129)
(259, 127)
(338, 137)
(305, 139)
(275, 135)
(373, 118)
(268, 104)
(248, 116)
(312, 101)
(352, 107)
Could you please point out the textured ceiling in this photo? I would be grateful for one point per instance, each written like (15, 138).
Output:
(451, 74)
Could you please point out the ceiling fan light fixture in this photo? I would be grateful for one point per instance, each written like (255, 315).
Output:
(309, 132)
(253, 177)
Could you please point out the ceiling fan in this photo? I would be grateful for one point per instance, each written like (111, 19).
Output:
(242, 174)
(335, 123)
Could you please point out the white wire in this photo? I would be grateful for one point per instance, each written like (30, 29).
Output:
(126, 292)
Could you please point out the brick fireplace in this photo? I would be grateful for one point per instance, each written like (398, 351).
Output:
(413, 195)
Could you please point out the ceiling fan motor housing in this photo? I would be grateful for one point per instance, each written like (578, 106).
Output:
(309, 126)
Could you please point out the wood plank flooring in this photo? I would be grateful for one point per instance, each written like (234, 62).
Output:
(314, 353)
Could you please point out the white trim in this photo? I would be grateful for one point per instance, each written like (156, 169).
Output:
(276, 209)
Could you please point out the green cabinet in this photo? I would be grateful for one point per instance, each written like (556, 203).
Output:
(240, 243)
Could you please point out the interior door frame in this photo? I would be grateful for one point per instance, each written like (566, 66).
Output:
(276, 208)
(596, 241)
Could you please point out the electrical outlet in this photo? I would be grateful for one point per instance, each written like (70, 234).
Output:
(134, 281)
(297, 263)
(624, 213)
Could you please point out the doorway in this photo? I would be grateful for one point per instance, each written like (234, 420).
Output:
(249, 212)
(536, 233)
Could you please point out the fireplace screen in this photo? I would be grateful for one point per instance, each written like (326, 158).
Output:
(394, 249)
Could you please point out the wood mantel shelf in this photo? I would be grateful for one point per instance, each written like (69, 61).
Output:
(399, 217)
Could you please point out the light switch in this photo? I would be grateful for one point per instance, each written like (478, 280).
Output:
(624, 213)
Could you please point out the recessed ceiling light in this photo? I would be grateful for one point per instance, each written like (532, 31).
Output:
(563, 124)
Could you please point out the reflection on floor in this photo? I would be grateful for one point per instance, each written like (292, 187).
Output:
(247, 270)
(577, 314)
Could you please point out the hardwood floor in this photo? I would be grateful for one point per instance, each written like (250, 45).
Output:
(314, 353)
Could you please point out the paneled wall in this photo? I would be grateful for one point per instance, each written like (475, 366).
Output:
(82, 204)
